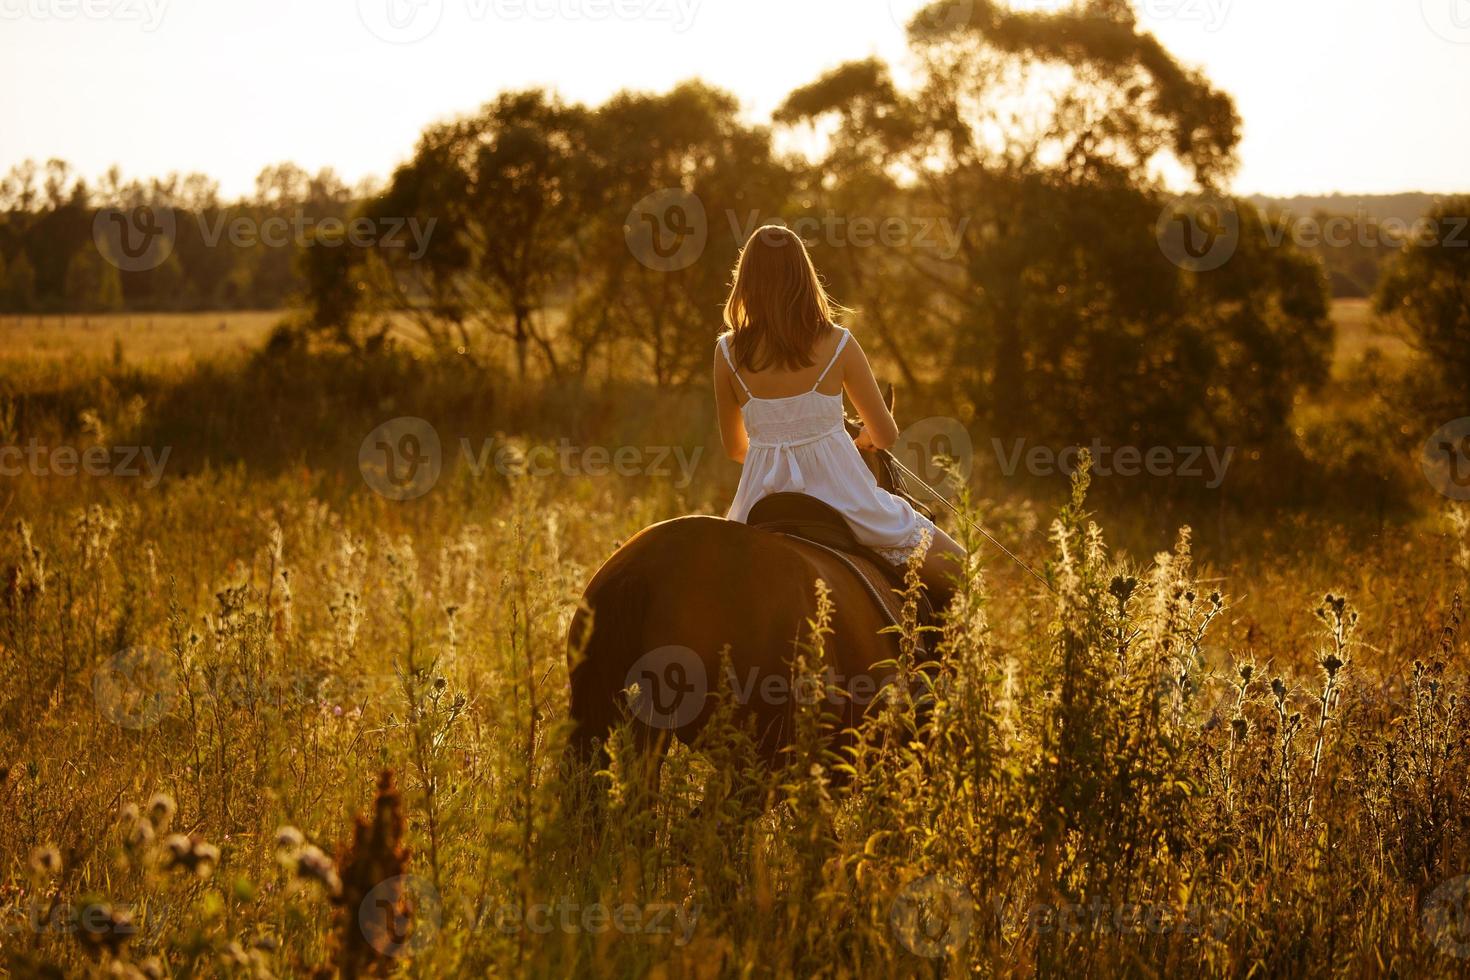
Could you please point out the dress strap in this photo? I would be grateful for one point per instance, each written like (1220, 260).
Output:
(841, 343)
(724, 349)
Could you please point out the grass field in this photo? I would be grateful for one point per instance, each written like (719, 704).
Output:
(1192, 760)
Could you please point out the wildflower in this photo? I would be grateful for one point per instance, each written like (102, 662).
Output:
(161, 810)
(1331, 664)
(289, 838)
(313, 865)
(233, 955)
(1278, 688)
(1122, 588)
(191, 853)
(46, 861)
(140, 834)
(103, 927)
(1246, 672)
(1240, 728)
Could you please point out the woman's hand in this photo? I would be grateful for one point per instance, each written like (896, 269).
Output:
(864, 441)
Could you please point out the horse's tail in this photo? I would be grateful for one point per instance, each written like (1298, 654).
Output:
(604, 642)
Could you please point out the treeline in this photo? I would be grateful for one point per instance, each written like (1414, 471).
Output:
(1025, 263)
(56, 242)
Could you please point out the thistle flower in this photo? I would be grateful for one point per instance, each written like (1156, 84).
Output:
(288, 838)
(46, 861)
(140, 834)
(104, 927)
(313, 865)
(161, 810)
(191, 853)
(1240, 728)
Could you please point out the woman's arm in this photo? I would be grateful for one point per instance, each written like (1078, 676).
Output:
(880, 431)
(727, 408)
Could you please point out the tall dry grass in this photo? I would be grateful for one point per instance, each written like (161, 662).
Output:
(259, 721)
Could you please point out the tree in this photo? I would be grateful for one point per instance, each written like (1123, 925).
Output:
(686, 152)
(502, 192)
(1428, 290)
(92, 284)
(1038, 135)
(20, 284)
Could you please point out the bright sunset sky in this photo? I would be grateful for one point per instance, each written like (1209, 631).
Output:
(1352, 95)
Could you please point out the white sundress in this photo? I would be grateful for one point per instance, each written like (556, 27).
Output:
(798, 444)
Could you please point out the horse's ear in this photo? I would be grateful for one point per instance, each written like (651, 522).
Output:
(891, 398)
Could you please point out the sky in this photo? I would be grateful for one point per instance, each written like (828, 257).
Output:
(1361, 96)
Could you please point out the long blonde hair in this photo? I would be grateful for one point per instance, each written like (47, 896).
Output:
(778, 308)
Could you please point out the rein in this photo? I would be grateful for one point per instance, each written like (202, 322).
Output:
(890, 461)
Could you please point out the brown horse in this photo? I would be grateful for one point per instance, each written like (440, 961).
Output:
(662, 610)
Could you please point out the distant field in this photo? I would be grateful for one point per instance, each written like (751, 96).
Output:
(1359, 329)
(140, 338)
(175, 338)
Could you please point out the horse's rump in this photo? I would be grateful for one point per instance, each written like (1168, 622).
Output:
(663, 607)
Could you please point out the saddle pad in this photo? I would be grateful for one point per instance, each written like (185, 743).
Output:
(877, 584)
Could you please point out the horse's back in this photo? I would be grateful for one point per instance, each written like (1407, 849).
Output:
(695, 587)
